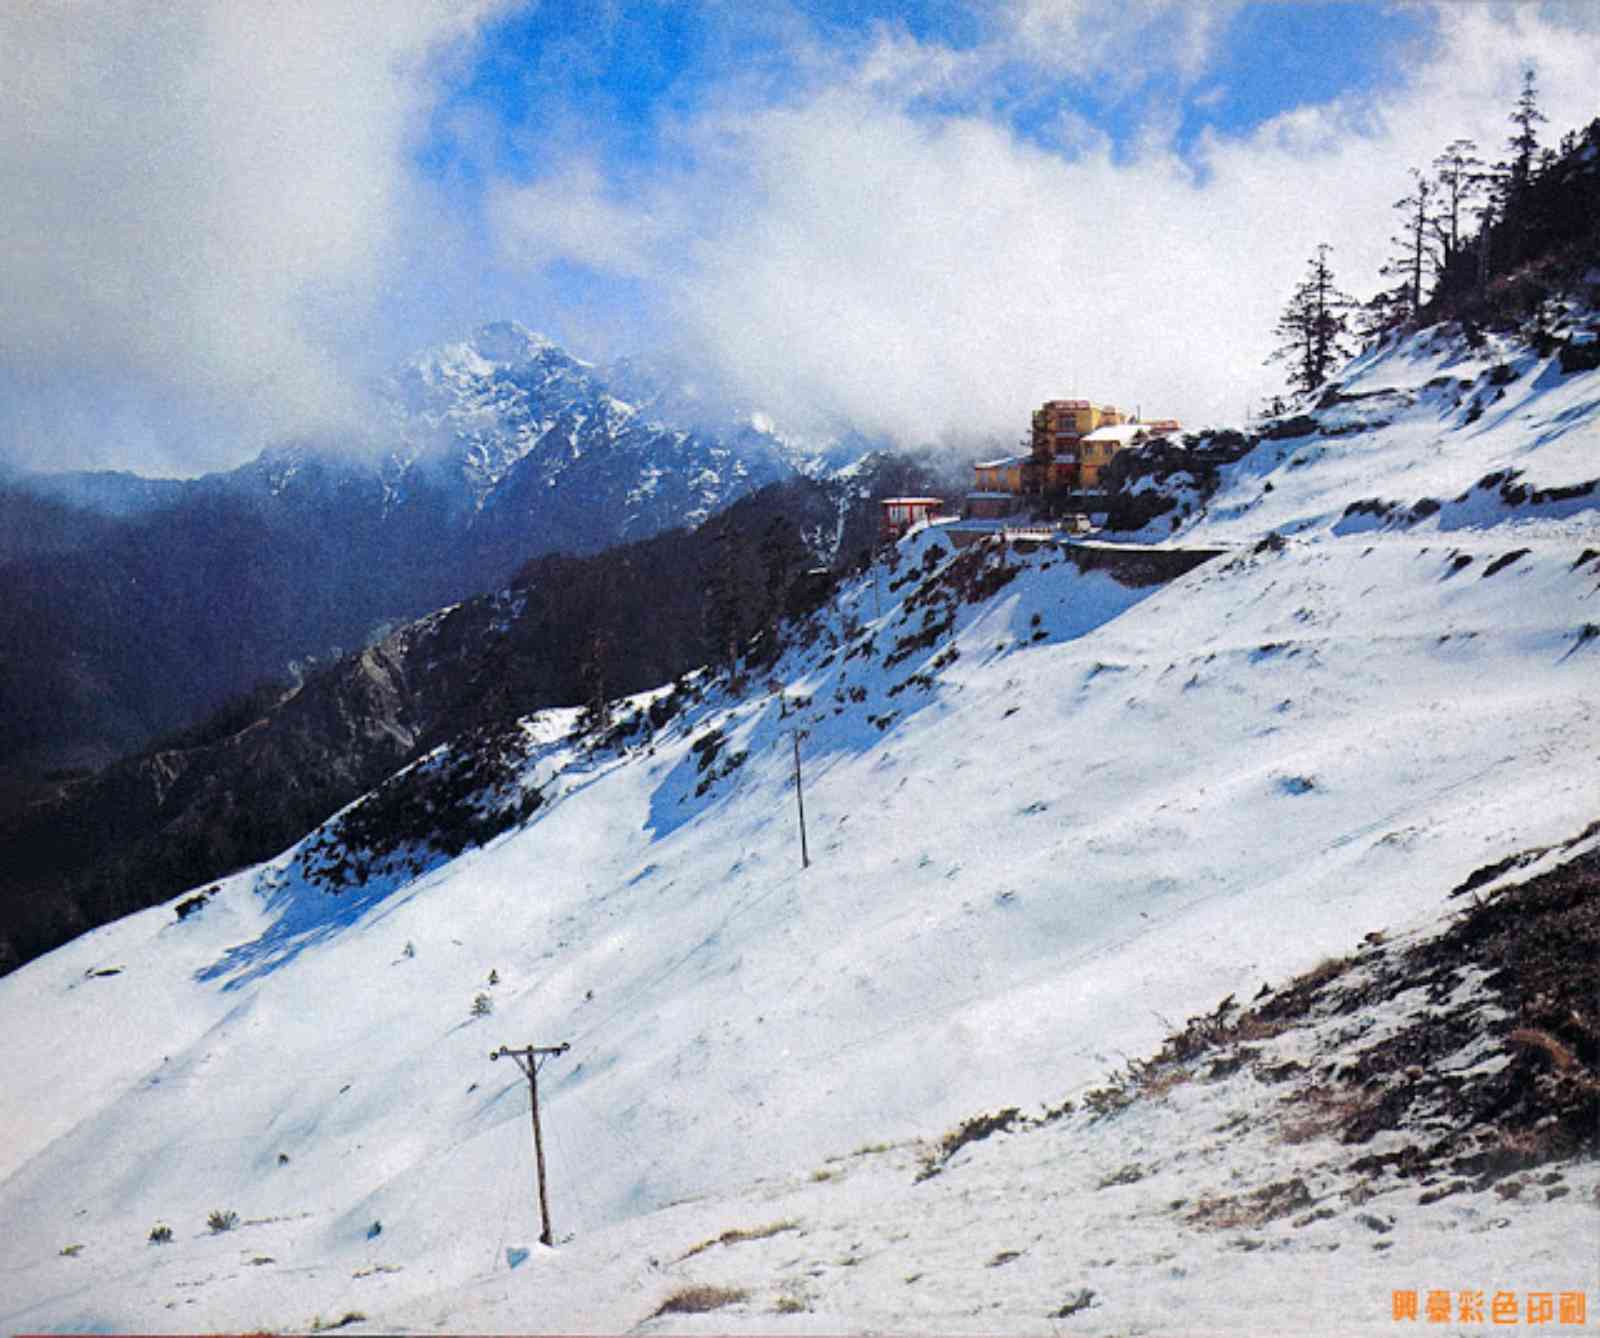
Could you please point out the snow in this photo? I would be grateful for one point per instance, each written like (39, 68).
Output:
(1043, 826)
(1425, 418)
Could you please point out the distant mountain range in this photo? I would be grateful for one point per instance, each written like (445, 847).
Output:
(269, 764)
(129, 606)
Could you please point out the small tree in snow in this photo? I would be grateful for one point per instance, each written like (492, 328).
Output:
(1416, 256)
(1314, 326)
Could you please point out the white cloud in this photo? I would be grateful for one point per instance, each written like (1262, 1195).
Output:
(571, 216)
(199, 199)
(851, 255)
(1123, 42)
(209, 206)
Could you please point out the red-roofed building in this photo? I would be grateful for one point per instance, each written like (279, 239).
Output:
(901, 513)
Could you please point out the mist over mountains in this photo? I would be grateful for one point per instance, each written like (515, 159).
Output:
(194, 672)
(130, 605)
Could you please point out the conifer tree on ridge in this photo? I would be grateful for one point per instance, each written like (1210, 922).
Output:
(1314, 326)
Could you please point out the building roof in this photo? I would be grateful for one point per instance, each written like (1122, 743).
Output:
(912, 501)
(1002, 462)
(1126, 433)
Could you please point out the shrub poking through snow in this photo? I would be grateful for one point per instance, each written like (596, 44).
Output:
(1078, 1300)
(699, 1298)
(222, 1219)
(482, 1005)
(968, 1131)
(1267, 1204)
(792, 1300)
(349, 1317)
(161, 1234)
(1223, 1030)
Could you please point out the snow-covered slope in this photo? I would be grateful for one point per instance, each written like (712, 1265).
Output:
(1426, 433)
(1049, 815)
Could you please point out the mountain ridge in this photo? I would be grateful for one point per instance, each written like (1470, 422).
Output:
(279, 758)
(310, 546)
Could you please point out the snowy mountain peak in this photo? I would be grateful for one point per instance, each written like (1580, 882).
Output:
(508, 423)
(498, 348)
(510, 343)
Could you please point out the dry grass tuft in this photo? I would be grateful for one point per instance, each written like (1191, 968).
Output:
(973, 1130)
(794, 1298)
(1231, 1212)
(699, 1298)
(739, 1234)
(1535, 1039)
(1329, 968)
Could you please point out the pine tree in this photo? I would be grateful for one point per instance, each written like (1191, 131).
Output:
(1505, 223)
(1459, 174)
(1416, 254)
(780, 551)
(1381, 312)
(1524, 145)
(1314, 326)
(593, 672)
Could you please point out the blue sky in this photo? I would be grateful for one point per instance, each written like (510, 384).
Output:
(914, 218)
(624, 69)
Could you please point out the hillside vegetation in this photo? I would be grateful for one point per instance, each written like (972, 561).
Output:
(270, 763)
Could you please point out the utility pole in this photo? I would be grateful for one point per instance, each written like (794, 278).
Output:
(800, 801)
(528, 1061)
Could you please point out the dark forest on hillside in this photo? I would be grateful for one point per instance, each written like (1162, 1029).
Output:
(271, 763)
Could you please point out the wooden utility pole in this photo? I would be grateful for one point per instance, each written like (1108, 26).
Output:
(528, 1061)
(800, 801)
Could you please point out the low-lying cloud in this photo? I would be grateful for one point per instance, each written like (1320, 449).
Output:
(202, 200)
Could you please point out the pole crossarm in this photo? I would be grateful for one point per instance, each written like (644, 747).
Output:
(529, 1054)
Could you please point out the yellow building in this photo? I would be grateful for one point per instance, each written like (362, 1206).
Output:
(1058, 428)
(1003, 475)
(1058, 421)
(1096, 449)
(1071, 443)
